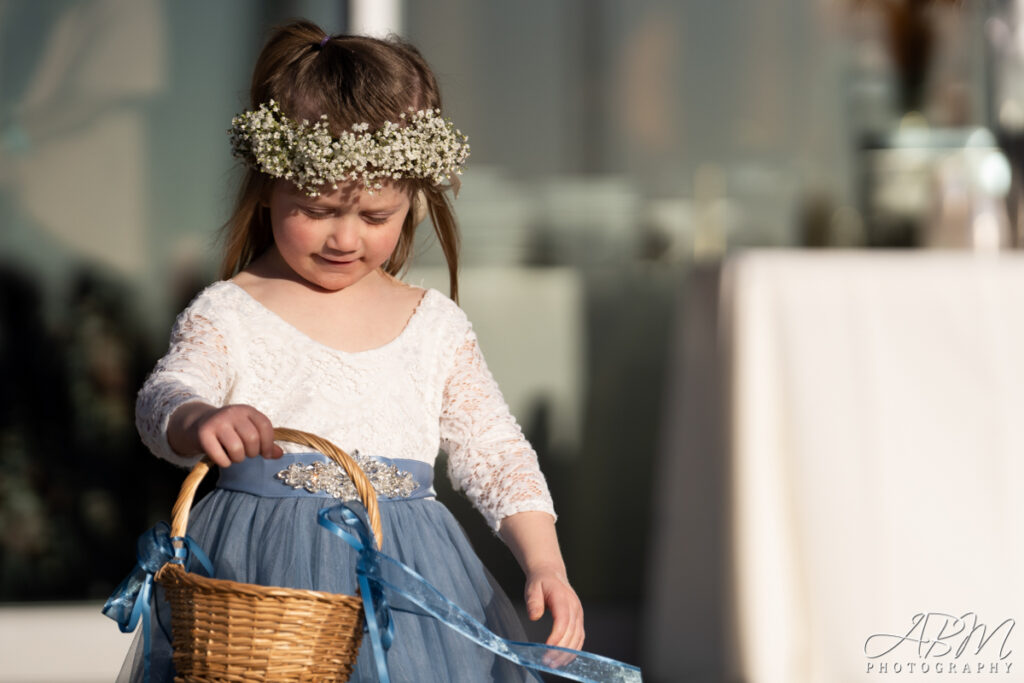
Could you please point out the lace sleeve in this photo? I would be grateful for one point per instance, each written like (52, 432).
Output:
(194, 369)
(488, 457)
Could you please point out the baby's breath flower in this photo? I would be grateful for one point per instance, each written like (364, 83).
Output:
(426, 146)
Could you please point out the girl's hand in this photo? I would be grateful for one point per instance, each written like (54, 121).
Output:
(226, 435)
(549, 587)
(531, 537)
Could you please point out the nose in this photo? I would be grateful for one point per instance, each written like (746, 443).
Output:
(345, 235)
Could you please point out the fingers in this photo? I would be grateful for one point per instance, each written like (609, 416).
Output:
(267, 448)
(250, 436)
(561, 622)
(567, 618)
(230, 441)
(213, 449)
(555, 594)
(567, 627)
(234, 433)
(534, 602)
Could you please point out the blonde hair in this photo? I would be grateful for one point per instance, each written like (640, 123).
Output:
(351, 79)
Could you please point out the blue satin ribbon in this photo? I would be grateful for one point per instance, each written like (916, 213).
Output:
(132, 598)
(375, 605)
(377, 571)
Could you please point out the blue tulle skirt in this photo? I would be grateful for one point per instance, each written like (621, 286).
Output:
(277, 542)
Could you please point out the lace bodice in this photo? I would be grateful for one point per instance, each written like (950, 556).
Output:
(428, 387)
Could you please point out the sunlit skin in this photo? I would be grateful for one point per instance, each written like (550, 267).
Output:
(323, 275)
(334, 240)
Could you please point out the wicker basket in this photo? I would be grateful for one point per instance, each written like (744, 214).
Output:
(229, 631)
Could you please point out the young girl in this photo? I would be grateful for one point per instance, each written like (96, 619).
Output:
(310, 329)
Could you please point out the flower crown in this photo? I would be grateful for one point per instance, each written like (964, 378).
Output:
(420, 145)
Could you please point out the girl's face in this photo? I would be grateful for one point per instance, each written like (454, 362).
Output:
(335, 240)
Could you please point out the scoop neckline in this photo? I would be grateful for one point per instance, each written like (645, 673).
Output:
(413, 317)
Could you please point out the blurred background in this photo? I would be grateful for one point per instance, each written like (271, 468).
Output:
(746, 272)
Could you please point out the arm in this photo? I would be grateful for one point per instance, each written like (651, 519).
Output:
(176, 411)
(491, 461)
(531, 537)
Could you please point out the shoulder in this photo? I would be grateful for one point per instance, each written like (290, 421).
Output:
(403, 296)
(444, 312)
(216, 305)
(446, 330)
(214, 294)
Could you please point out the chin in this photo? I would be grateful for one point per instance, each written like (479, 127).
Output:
(335, 284)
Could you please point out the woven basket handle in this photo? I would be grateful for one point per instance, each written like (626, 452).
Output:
(179, 516)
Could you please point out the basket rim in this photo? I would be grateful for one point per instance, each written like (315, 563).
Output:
(173, 572)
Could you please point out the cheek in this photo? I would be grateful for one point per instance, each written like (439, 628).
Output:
(290, 232)
(386, 241)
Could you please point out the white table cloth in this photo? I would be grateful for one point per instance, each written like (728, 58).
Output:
(876, 464)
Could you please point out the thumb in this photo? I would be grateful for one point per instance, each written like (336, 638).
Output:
(534, 602)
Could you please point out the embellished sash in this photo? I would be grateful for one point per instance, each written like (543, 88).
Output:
(314, 474)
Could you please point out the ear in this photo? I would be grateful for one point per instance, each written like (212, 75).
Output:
(419, 207)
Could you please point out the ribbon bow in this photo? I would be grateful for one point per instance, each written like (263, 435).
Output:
(377, 571)
(131, 599)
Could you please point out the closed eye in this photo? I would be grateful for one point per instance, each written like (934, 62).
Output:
(317, 214)
(377, 218)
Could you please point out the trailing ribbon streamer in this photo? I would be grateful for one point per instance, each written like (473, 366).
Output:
(131, 599)
(377, 571)
(375, 605)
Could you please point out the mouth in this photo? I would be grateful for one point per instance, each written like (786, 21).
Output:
(334, 261)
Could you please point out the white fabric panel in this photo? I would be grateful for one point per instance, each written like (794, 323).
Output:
(876, 459)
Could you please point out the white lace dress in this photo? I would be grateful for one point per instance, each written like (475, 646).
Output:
(427, 388)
